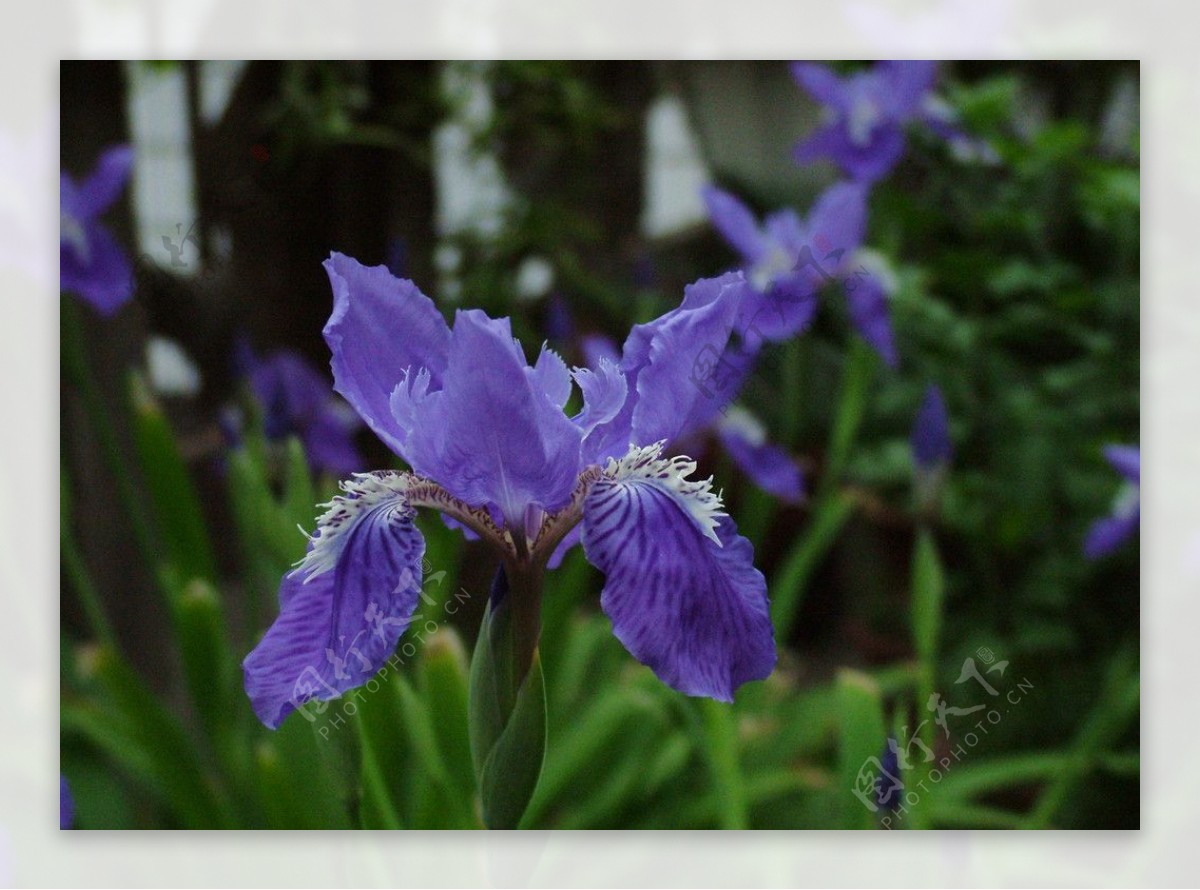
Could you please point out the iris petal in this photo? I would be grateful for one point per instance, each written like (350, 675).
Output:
(824, 142)
(820, 83)
(868, 305)
(604, 392)
(904, 84)
(837, 224)
(677, 358)
(1109, 533)
(103, 276)
(736, 222)
(380, 327)
(552, 377)
(1126, 460)
(104, 185)
(680, 585)
(770, 467)
(344, 609)
(491, 435)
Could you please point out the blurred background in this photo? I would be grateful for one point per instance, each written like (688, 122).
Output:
(567, 195)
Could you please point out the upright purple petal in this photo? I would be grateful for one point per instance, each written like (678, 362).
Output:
(837, 224)
(595, 347)
(677, 359)
(343, 611)
(785, 228)
(906, 84)
(868, 304)
(604, 392)
(550, 374)
(1126, 460)
(930, 441)
(735, 222)
(673, 364)
(784, 311)
(1109, 533)
(105, 183)
(825, 141)
(680, 585)
(877, 158)
(770, 467)
(380, 327)
(93, 265)
(821, 83)
(91, 262)
(492, 434)
(868, 161)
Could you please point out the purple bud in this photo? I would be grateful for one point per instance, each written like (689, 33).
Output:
(886, 797)
(931, 432)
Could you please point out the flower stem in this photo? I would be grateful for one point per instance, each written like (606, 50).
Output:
(720, 724)
(525, 589)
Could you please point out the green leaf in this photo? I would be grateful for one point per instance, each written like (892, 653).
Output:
(857, 378)
(605, 720)
(299, 495)
(507, 720)
(131, 725)
(928, 591)
(444, 676)
(209, 663)
(180, 516)
(863, 736)
(297, 783)
(791, 580)
(438, 802)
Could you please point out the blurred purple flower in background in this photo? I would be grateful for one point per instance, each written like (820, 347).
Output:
(91, 262)
(1109, 533)
(788, 259)
(495, 451)
(66, 804)
(298, 400)
(868, 113)
(931, 446)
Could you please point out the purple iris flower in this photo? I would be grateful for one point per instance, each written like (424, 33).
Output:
(91, 263)
(66, 804)
(868, 114)
(931, 446)
(788, 259)
(491, 447)
(298, 400)
(1109, 533)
